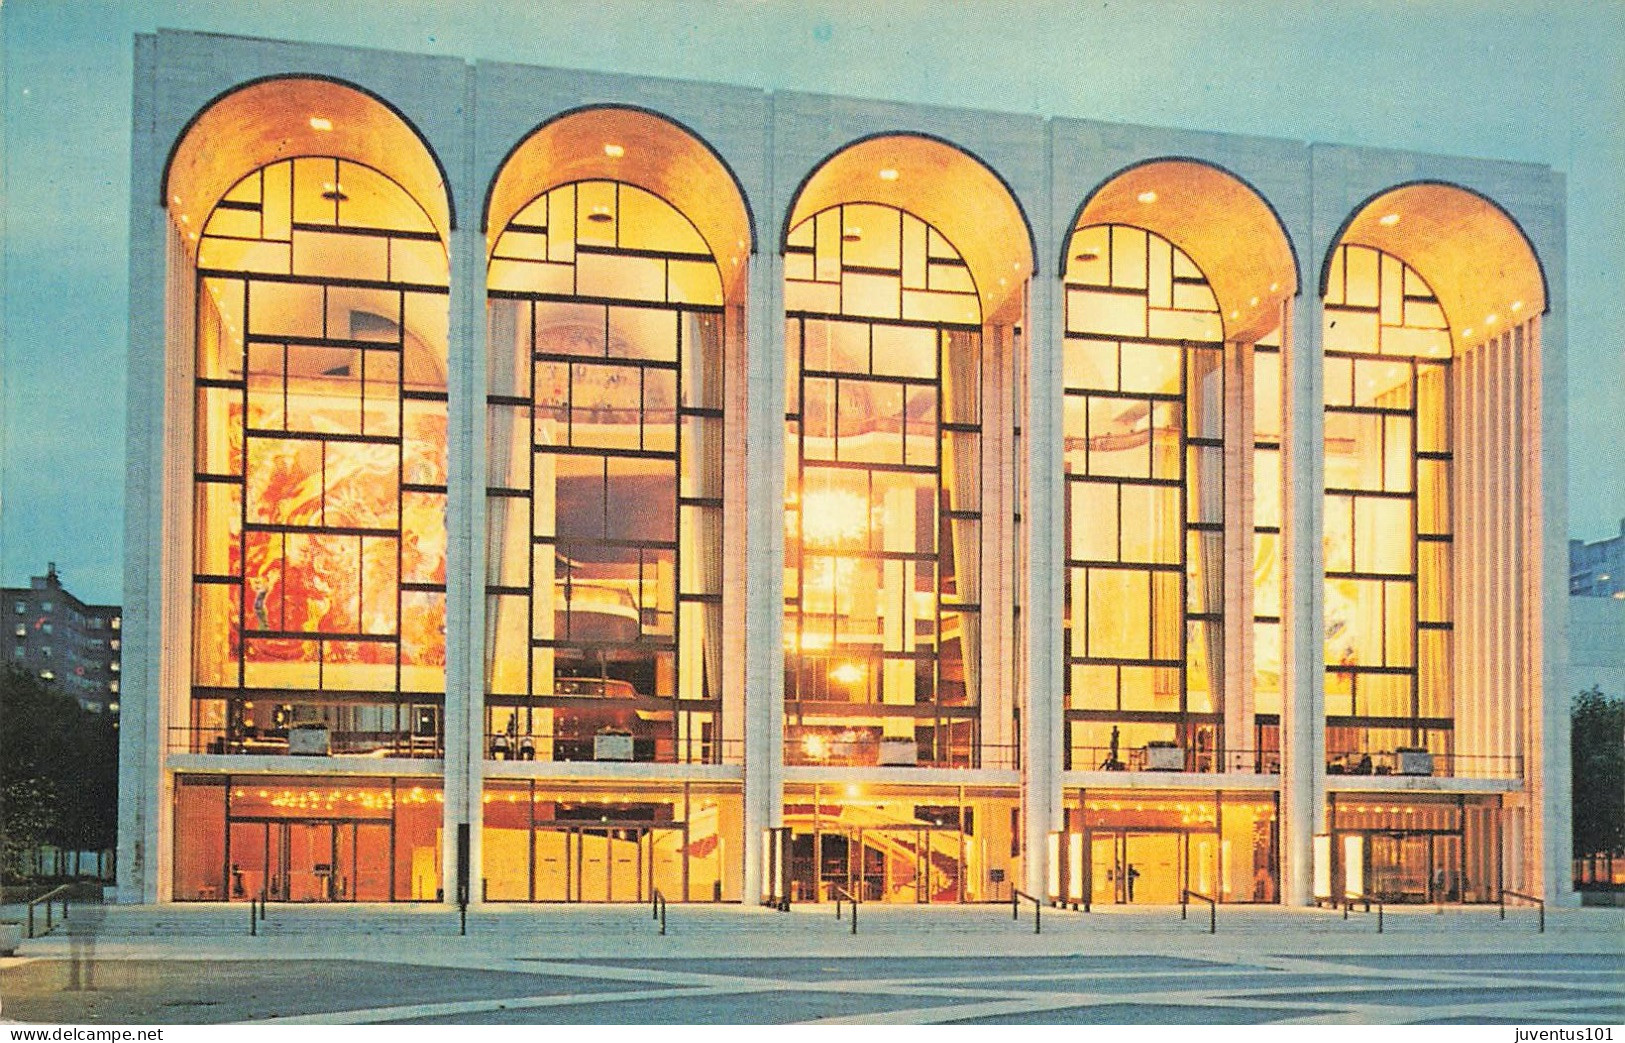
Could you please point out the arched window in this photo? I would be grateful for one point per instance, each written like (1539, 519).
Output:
(883, 511)
(1143, 366)
(1387, 512)
(604, 481)
(319, 559)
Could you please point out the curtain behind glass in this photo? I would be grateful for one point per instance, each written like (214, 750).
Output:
(1206, 484)
(961, 476)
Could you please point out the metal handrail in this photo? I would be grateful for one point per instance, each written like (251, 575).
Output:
(1539, 902)
(842, 894)
(1038, 909)
(256, 912)
(1212, 908)
(658, 909)
(49, 898)
(1369, 900)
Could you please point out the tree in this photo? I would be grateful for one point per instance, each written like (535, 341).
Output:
(58, 772)
(1597, 749)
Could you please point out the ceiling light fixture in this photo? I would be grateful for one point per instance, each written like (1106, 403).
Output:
(1491, 319)
(600, 215)
(1147, 196)
(1087, 254)
(334, 192)
(614, 151)
(1388, 220)
(852, 235)
(320, 123)
(1468, 332)
(888, 173)
(1516, 305)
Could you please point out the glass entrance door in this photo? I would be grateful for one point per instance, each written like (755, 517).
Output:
(370, 863)
(1154, 868)
(1401, 867)
(307, 860)
(248, 874)
(1151, 867)
(610, 863)
(321, 861)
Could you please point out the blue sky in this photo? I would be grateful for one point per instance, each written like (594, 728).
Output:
(1538, 82)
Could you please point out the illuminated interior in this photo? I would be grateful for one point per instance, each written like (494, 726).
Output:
(1144, 426)
(319, 560)
(1145, 848)
(1175, 279)
(307, 839)
(557, 842)
(1417, 848)
(607, 335)
(902, 356)
(902, 844)
(1269, 584)
(1387, 537)
(882, 505)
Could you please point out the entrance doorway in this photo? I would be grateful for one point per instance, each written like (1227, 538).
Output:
(610, 862)
(1149, 867)
(914, 864)
(1418, 868)
(310, 860)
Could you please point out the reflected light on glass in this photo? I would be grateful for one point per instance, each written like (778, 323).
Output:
(832, 517)
(847, 673)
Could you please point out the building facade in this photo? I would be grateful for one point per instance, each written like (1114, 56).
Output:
(74, 646)
(1597, 570)
(675, 486)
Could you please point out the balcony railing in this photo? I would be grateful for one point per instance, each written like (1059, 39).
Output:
(1156, 757)
(1416, 762)
(611, 746)
(838, 750)
(305, 741)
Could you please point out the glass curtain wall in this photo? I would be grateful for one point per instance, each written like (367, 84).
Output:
(319, 554)
(307, 839)
(883, 493)
(1137, 847)
(903, 844)
(557, 842)
(1268, 578)
(1143, 420)
(1387, 519)
(604, 482)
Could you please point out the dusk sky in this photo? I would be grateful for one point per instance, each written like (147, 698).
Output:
(1535, 82)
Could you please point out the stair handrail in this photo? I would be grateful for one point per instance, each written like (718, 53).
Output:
(1038, 909)
(1212, 908)
(50, 899)
(1539, 902)
(842, 894)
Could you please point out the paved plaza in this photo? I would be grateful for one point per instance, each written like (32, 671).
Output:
(964, 965)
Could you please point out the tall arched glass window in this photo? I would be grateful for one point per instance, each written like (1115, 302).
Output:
(883, 424)
(1387, 513)
(319, 554)
(1144, 455)
(604, 482)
